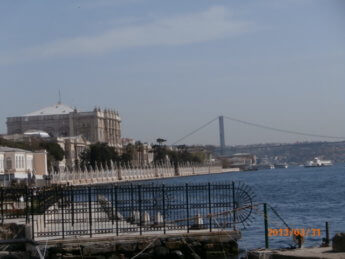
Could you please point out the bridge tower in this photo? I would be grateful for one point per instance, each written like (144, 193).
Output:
(221, 134)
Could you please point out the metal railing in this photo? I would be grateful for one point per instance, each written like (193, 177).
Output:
(60, 212)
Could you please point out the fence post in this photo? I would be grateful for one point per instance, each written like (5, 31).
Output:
(327, 234)
(140, 216)
(234, 205)
(72, 204)
(187, 206)
(27, 205)
(32, 215)
(112, 204)
(44, 206)
(209, 206)
(62, 213)
(116, 213)
(90, 210)
(266, 226)
(132, 198)
(163, 193)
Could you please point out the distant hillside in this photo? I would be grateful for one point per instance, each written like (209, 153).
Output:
(297, 153)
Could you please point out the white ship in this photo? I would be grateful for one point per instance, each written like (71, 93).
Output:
(316, 162)
(281, 166)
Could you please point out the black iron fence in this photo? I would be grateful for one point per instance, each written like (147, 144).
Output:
(60, 212)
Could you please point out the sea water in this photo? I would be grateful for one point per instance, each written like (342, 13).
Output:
(305, 198)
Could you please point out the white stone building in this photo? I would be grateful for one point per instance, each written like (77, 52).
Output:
(99, 125)
(20, 164)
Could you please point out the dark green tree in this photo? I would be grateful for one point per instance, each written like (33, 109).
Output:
(160, 153)
(128, 154)
(99, 154)
(55, 152)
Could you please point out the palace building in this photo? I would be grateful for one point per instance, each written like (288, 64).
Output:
(99, 125)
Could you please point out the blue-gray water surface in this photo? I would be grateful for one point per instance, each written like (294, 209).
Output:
(304, 197)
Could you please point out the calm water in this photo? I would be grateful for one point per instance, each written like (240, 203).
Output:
(304, 197)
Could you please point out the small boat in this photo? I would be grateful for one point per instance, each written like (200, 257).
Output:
(316, 162)
(281, 166)
(264, 166)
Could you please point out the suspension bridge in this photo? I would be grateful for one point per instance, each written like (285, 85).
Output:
(222, 144)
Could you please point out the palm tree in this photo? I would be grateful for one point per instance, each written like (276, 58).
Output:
(160, 141)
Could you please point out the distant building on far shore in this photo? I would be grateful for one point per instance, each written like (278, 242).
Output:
(99, 125)
(243, 161)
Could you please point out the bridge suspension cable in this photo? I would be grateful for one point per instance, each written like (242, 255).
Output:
(282, 130)
(195, 131)
(299, 133)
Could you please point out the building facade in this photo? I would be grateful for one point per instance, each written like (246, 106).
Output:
(243, 161)
(99, 125)
(19, 164)
(73, 147)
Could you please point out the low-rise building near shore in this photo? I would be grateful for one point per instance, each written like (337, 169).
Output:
(243, 161)
(16, 164)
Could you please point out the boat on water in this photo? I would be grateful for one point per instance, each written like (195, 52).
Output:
(279, 166)
(264, 166)
(316, 162)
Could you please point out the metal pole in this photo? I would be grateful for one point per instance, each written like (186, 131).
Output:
(327, 233)
(116, 213)
(112, 204)
(132, 198)
(140, 216)
(209, 206)
(187, 207)
(44, 206)
(26, 205)
(266, 226)
(163, 193)
(32, 215)
(233, 206)
(90, 211)
(62, 213)
(72, 204)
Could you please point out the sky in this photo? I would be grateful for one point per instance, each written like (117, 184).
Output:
(169, 67)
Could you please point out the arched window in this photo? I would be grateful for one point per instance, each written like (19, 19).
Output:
(8, 163)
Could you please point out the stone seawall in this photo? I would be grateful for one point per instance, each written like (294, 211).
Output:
(193, 245)
(118, 174)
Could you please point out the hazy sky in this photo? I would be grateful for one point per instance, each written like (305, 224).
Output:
(170, 66)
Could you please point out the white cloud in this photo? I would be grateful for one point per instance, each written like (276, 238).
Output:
(213, 24)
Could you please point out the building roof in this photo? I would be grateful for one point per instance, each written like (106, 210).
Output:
(11, 149)
(37, 133)
(56, 109)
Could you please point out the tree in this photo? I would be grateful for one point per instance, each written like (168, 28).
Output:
(55, 152)
(98, 154)
(160, 153)
(128, 154)
(182, 155)
(160, 141)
